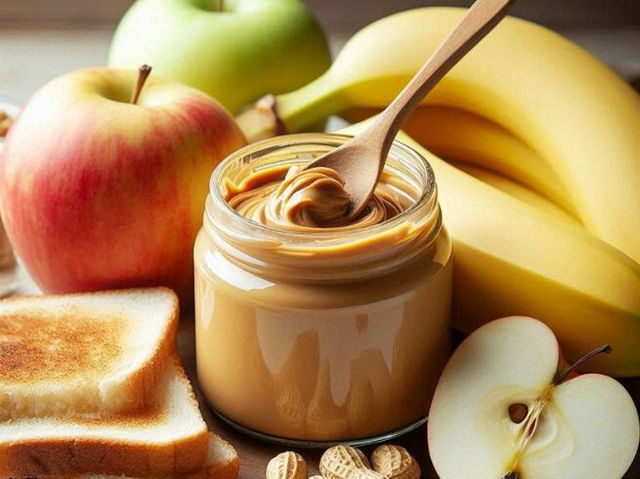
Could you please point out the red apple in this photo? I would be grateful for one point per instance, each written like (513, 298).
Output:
(100, 190)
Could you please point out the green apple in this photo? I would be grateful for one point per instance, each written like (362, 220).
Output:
(234, 50)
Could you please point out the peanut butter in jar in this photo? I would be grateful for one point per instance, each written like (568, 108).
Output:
(310, 328)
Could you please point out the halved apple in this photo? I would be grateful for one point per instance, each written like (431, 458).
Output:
(503, 410)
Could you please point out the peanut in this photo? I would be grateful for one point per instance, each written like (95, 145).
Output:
(345, 462)
(287, 465)
(394, 462)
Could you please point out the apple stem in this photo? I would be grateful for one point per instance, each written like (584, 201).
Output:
(560, 378)
(143, 74)
(219, 5)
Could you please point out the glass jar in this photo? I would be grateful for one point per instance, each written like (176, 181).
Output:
(311, 338)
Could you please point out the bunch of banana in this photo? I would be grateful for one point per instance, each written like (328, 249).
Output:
(544, 207)
(512, 258)
(457, 135)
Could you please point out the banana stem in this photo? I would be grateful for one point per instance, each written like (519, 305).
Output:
(143, 74)
(261, 120)
(311, 104)
(301, 110)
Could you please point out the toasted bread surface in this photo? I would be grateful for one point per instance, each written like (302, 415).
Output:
(82, 353)
(59, 346)
(167, 439)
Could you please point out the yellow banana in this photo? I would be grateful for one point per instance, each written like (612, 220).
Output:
(511, 258)
(485, 151)
(518, 191)
(573, 111)
(454, 134)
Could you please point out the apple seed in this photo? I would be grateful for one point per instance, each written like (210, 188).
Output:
(518, 412)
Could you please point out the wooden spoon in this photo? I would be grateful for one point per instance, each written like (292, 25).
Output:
(360, 161)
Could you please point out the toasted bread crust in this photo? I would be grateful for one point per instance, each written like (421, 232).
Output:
(134, 393)
(63, 457)
(229, 468)
(215, 468)
(146, 379)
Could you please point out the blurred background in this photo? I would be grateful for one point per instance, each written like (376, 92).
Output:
(42, 38)
(343, 15)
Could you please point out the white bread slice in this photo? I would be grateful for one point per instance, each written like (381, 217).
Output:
(88, 352)
(168, 439)
(222, 463)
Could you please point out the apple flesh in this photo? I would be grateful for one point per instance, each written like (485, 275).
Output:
(499, 411)
(99, 193)
(237, 54)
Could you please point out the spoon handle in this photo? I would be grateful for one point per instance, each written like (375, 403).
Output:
(479, 20)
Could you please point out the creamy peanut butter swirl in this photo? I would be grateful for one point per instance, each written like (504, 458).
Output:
(300, 200)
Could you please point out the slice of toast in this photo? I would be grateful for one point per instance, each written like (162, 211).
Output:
(222, 463)
(80, 353)
(167, 439)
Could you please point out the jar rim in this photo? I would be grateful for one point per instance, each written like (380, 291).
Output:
(332, 253)
(322, 235)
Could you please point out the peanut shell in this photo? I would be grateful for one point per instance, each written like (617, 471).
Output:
(287, 465)
(345, 462)
(394, 462)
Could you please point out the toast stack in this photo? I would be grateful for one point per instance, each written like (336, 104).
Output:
(91, 386)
